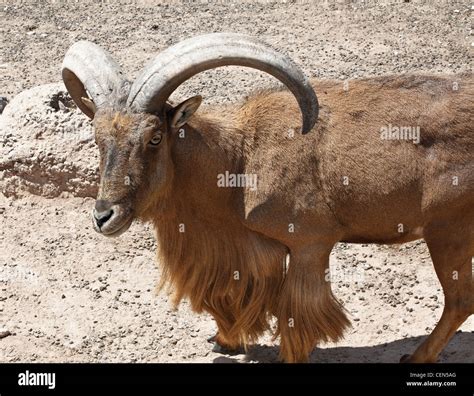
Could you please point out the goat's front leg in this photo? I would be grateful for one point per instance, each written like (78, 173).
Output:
(307, 311)
(225, 341)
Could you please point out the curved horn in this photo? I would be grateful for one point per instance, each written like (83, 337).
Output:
(86, 66)
(170, 68)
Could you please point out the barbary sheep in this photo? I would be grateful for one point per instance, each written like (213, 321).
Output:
(233, 190)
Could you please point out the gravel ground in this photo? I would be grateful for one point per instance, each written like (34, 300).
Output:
(68, 294)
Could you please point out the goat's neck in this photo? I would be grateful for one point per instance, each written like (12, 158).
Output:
(218, 136)
(209, 147)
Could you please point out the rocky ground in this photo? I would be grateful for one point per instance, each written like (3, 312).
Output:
(68, 294)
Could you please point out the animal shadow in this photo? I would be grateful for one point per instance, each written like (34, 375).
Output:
(459, 350)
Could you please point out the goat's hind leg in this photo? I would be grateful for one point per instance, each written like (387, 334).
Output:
(452, 258)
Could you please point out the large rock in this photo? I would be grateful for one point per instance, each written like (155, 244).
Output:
(47, 146)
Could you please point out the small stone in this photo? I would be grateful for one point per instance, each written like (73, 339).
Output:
(3, 103)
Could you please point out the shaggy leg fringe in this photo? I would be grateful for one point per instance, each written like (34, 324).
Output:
(307, 315)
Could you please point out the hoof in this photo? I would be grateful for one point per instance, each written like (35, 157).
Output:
(405, 359)
(413, 359)
(227, 351)
(223, 349)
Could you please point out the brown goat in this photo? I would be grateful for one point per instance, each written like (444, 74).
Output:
(348, 180)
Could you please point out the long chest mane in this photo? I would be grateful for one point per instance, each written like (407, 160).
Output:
(222, 268)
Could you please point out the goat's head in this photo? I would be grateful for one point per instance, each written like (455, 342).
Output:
(135, 125)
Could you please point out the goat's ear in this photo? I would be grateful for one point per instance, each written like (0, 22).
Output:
(180, 114)
(89, 104)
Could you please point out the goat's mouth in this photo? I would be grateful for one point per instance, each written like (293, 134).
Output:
(119, 230)
(116, 222)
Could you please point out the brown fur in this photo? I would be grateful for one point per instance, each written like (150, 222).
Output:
(230, 231)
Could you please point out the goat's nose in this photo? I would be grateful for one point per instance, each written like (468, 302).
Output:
(102, 205)
(102, 212)
(102, 217)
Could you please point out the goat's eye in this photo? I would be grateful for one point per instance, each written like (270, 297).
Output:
(155, 140)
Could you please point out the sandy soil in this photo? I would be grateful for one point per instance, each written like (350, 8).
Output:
(68, 294)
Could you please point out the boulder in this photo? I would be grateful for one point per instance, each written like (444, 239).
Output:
(47, 146)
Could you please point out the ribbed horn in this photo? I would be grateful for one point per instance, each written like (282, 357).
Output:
(170, 68)
(87, 66)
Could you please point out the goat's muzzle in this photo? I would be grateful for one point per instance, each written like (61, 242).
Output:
(111, 219)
